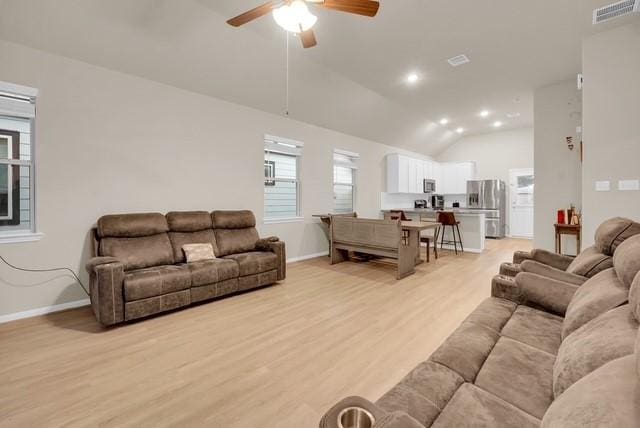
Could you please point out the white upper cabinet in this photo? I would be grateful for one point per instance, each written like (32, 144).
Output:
(406, 175)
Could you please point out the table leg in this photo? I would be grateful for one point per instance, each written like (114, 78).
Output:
(578, 238)
(414, 239)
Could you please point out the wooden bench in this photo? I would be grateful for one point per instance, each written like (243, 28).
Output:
(384, 238)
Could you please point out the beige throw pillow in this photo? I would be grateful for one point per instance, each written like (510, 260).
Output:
(198, 252)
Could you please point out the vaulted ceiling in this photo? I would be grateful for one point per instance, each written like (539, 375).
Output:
(354, 81)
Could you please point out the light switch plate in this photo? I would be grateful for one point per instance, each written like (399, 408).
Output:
(603, 186)
(629, 185)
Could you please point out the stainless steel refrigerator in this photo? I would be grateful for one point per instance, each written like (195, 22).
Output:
(490, 197)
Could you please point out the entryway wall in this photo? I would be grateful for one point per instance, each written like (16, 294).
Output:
(494, 153)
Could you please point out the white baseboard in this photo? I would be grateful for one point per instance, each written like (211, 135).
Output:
(43, 311)
(307, 257)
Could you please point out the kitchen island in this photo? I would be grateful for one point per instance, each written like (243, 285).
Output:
(472, 225)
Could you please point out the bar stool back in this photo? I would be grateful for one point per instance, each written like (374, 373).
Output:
(447, 218)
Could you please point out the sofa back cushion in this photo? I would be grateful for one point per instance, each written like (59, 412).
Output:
(189, 227)
(598, 295)
(611, 335)
(634, 302)
(138, 240)
(614, 232)
(626, 260)
(235, 231)
(590, 262)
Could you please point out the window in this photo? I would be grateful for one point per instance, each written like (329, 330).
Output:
(344, 181)
(281, 179)
(17, 190)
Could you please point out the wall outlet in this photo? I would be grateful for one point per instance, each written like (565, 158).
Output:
(629, 185)
(603, 186)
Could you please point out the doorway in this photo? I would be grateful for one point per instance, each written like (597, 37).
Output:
(521, 189)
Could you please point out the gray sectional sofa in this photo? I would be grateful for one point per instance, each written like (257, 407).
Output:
(553, 354)
(139, 268)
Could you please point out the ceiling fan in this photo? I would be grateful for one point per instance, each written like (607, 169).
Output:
(295, 17)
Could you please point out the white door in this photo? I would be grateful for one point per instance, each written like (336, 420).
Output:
(521, 188)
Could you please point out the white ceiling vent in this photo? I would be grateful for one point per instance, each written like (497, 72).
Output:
(615, 10)
(458, 60)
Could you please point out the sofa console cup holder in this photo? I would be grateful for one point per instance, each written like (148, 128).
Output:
(355, 417)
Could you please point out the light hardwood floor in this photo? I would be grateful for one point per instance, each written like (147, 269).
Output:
(276, 357)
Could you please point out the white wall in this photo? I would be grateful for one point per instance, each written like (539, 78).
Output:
(494, 154)
(611, 67)
(557, 112)
(108, 142)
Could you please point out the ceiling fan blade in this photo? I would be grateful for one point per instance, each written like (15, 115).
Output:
(254, 13)
(308, 39)
(359, 7)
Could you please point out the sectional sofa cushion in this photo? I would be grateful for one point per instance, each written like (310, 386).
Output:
(626, 260)
(131, 225)
(155, 281)
(492, 313)
(235, 231)
(589, 262)
(212, 271)
(609, 397)
(189, 221)
(472, 407)
(611, 335)
(598, 295)
(536, 328)
(240, 219)
(254, 262)
(423, 393)
(519, 374)
(610, 234)
(139, 252)
(634, 299)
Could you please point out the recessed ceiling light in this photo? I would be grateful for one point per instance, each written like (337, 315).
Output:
(484, 113)
(497, 124)
(460, 130)
(444, 121)
(513, 115)
(412, 78)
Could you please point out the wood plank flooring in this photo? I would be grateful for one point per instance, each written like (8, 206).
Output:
(276, 357)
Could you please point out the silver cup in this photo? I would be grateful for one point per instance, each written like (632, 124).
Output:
(355, 417)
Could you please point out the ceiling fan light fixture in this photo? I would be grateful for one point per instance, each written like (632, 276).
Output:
(294, 17)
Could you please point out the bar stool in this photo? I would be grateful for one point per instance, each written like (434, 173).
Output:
(447, 218)
(400, 215)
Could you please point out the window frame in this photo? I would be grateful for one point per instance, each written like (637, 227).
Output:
(353, 158)
(287, 147)
(24, 109)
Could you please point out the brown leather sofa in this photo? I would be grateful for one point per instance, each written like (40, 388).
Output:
(576, 270)
(562, 355)
(139, 268)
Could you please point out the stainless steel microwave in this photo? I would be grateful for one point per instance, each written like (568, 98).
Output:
(429, 186)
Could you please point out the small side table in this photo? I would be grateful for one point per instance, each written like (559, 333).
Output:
(567, 229)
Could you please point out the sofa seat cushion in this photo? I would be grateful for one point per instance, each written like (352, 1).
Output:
(492, 313)
(473, 407)
(598, 295)
(607, 398)
(156, 281)
(536, 328)
(590, 262)
(212, 271)
(466, 350)
(254, 262)
(519, 374)
(611, 335)
(423, 393)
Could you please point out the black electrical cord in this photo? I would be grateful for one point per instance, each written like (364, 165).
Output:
(47, 270)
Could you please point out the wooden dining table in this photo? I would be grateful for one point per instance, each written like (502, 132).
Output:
(414, 228)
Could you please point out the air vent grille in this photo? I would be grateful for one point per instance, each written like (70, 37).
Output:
(458, 60)
(614, 10)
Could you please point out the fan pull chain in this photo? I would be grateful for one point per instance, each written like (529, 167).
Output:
(286, 109)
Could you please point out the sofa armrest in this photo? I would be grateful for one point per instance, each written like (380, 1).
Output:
(520, 256)
(551, 272)
(557, 261)
(277, 247)
(549, 294)
(330, 418)
(106, 281)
